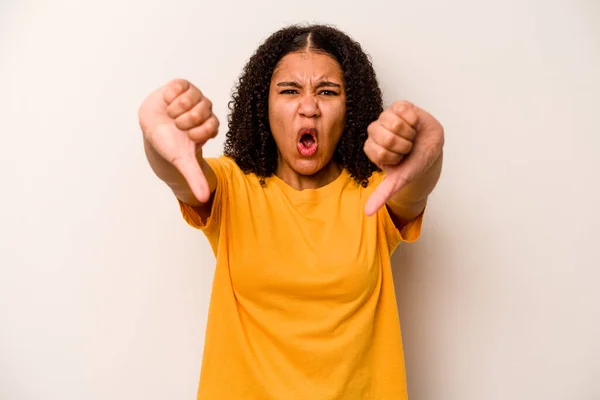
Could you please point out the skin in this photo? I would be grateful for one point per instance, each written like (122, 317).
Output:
(307, 91)
(407, 143)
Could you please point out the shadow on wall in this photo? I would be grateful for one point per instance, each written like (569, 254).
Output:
(414, 302)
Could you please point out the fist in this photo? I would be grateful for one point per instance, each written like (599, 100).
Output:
(405, 142)
(176, 121)
(391, 137)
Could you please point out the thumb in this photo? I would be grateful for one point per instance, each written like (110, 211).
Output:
(193, 175)
(383, 192)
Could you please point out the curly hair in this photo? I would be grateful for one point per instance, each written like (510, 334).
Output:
(249, 141)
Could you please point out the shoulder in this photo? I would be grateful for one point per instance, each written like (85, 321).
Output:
(373, 181)
(229, 172)
(375, 178)
(222, 163)
(224, 167)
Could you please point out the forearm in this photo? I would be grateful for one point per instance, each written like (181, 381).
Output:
(413, 197)
(163, 169)
(170, 175)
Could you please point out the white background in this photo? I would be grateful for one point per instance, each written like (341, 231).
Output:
(104, 289)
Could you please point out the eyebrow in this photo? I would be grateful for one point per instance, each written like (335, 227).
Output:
(319, 85)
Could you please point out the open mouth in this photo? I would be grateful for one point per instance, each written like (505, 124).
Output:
(307, 141)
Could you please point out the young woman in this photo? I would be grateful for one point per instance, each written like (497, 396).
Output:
(316, 188)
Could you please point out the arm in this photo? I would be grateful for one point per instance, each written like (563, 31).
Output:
(176, 121)
(409, 202)
(170, 175)
(407, 143)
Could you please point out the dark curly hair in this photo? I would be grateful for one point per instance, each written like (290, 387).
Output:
(249, 141)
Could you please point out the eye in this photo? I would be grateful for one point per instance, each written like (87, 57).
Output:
(289, 91)
(328, 93)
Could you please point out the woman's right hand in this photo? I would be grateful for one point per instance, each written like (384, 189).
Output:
(176, 121)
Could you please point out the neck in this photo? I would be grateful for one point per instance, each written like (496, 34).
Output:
(324, 176)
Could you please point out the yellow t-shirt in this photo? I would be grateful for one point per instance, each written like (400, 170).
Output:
(303, 303)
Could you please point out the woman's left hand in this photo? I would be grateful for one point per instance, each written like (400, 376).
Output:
(405, 142)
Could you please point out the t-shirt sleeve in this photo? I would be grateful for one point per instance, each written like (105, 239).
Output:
(222, 168)
(409, 233)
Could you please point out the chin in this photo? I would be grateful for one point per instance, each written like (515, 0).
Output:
(308, 166)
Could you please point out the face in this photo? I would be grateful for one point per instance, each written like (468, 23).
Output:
(307, 108)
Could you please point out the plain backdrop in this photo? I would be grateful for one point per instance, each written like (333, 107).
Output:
(104, 290)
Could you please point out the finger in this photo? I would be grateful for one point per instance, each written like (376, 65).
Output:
(206, 131)
(379, 155)
(406, 110)
(191, 171)
(184, 102)
(397, 125)
(380, 196)
(413, 167)
(397, 177)
(388, 139)
(174, 89)
(196, 116)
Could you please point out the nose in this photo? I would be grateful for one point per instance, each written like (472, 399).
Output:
(309, 106)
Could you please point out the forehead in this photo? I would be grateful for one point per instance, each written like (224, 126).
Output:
(308, 65)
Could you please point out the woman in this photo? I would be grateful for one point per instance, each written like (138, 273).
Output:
(317, 186)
